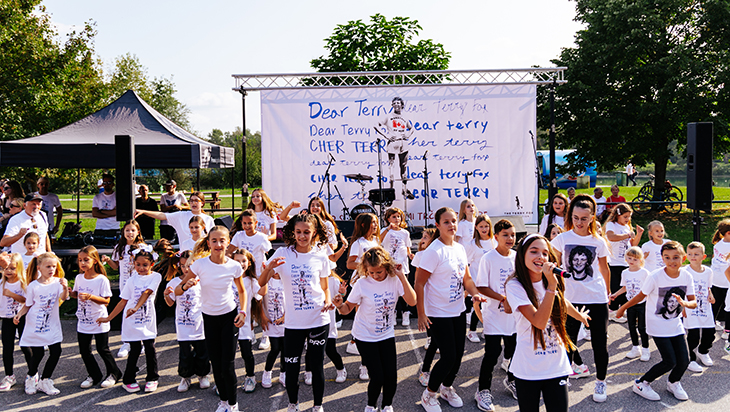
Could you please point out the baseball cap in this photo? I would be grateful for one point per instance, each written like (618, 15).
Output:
(33, 196)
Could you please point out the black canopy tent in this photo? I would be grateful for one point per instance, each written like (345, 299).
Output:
(89, 142)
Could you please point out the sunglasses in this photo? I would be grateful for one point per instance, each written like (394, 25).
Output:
(6, 188)
(14, 205)
(35, 225)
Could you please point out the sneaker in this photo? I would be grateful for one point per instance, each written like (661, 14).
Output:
(406, 321)
(371, 409)
(265, 344)
(724, 335)
(423, 378)
(87, 383)
(430, 402)
(341, 376)
(612, 317)
(31, 384)
(726, 346)
(580, 371)
(124, 350)
(131, 388)
(448, 393)
(677, 390)
(46, 386)
(249, 384)
(266, 380)
(364, 373)
(233, 408)
(352, 348)
(510, 386)
(428, 343)
(293, 407)
(705, 359)
(222, 406)
(317, 408)
(644, 390)
(634, 353)
(282, 381)
(204, 381)
(599, 392)
(645, 355)
(484, 400)
(308, 378)
(472, 336)
(7, 383)
(184, 385)
(109, 381)
(718, 326)
(694, 367)
(150, 386)
(505, 364)
(339, 324)
(388, 408)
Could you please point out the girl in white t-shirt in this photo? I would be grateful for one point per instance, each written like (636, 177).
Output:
(139, 324)
(553, 230)
(304, 274)
(653, 248)
(720, 283)
(179, 220)
(467, 216)
(441, 279)
(482, 243)
(193, 354)
(631, 280)
(381, 283)
(93, 291)
(273, 303)
(43, 323)
(316, 207)
(620, 237)
(555, 213)
(216, 274)
(666, 291)
(396, 240)
(266, 213)
(30, 241)
(12, 297)
(583, 253)
(536, 295)
(245, 333)
(427, 236)
(197, 232)
(250, 239)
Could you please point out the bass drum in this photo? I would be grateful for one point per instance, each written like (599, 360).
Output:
(360, 209)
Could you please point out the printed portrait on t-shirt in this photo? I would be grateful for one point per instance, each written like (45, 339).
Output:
(552, 341)
(667, 305)
(633, 287)
(12, 306)
(187, 303)
(580, 259)
(302, 293)
(143, 315)
(384, 310)
(395, 244)
(275, 306)
(457, 281)
(43, 320)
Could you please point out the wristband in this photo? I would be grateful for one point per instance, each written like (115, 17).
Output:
(549, 291)
(242, 311)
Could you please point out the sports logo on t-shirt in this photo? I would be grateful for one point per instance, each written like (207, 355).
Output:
(667, 306)
(580, 259)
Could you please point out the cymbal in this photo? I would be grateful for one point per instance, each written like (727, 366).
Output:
(359, 177)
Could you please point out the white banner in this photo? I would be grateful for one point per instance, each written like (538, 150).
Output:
(483, 131)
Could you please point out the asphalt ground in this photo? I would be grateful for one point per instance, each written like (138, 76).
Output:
(708, 391)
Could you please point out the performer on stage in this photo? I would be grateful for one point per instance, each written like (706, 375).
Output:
(398, 131)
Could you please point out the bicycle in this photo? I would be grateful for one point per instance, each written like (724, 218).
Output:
(671, 197)
(648, 189)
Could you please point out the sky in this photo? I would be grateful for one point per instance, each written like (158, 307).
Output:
(200, 44)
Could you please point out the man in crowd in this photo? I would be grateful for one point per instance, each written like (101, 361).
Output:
(51, 203)
(144, 202)
(171, 202)
(29, 220)
(104, 209)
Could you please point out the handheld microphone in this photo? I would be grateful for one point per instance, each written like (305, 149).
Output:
(560, 272)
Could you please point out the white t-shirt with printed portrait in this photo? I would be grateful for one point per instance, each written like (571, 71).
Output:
(216, 281)
(444, 290)
(188, 312)
(88, 311)
(142, 325)
(398, 244)
(42, 322)
(10, 307)
(702, 317)
(663, 312)
(653, 260)
(584, 282)
(618, 249)
(125, 260)
(492, 272)
(720, 256)
(375, 317)
(633, 281)
(258, 245)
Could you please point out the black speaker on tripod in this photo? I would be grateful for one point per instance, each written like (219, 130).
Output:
(699, 166)
(124, 146)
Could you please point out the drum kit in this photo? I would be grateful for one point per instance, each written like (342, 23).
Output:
(375, 197)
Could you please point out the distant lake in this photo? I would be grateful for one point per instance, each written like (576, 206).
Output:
(604, 180)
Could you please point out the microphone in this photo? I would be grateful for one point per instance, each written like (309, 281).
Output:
(470, 173)
(530, 132)
(560, 272)
(333, 158)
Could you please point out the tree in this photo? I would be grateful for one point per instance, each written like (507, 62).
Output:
(640, 71)
(218, 177)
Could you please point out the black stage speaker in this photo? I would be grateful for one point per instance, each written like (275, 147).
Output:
(226, 221)
(699, 166)
(124, 146)
(346, 227)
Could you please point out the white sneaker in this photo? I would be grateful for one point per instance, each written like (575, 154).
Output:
(472, 336)
(184, 385)
(677, 390)
(505, 364)
(430, 402)
(450, 395)
(484, 400)
(87, 383)
(204, 381)
(352, 348)
(364, 373)
(7, 383)
(428, 343)
(588, 335)
(634, 353)
(124, 350)
(222, 406)
(46, 386)
(644, 390)
(265, 344)
(339, 324)
(645, 355)
(233, 408)
(600, 391)
(249, 384)
(109, 381)
(266, 379)
(694, 367)
(580, 371)
(510, 386)
(293, 407)
(282, 381)
(371, 409)
(151, 386)
(705, 359)
(317, 408)
(406, 321)
(31, 384)
(388, 408)
(423, 378)
(308, 378)
(612, 317)
(341, 376)
(724, 335)
(718, 326)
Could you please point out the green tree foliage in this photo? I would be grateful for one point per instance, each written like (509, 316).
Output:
(222, 177)
(640, 71)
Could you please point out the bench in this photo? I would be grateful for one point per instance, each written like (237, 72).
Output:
(211, 198)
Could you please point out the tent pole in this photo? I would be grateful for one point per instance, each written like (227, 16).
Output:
(78, 195)
(233, 194)
(198, 186)
(244, 191)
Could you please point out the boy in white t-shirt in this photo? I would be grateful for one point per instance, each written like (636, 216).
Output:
(631, 280)
(250, 239)
(700, 322)
(170, 202)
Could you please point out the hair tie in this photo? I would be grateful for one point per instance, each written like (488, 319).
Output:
(145, 248)
(531, 235)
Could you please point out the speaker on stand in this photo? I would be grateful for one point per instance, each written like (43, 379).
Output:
(699, 171)
(124, 145)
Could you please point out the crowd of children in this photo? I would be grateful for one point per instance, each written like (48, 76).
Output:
(466, 270)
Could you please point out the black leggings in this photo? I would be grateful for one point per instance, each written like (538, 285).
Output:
(637, 319)
(331, 351)
(675, 358)
(430, 353)
(616, 285)
(554, 394)
(380, 359)
(135, 349)
(718, 308)
(102, 348)
(705, 342)
(8, 331)
(247, 355)
(492, 349)
(316, 339)
(36, 356)
(220, 339)
(598, 326)
(449, 335)
(193, 359)
(277, 349)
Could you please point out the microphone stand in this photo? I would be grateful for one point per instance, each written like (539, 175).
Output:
(345, 210)
(468, 189)
(427, 196)
(380, 180)
(327, 176)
